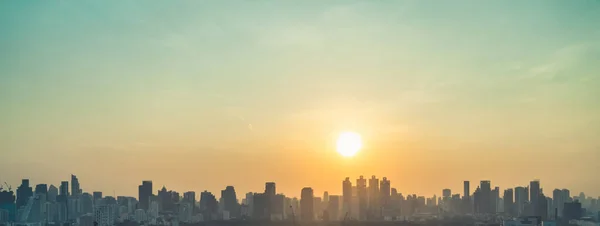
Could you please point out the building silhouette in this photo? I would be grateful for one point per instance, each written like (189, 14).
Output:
(385, 189)
(75, 188)
(208, 206)
(361, 190)
(509, 204)
(374, 205)
(347, 196)
(534, 194)
(24, 192)
(230, 202)
(521, 199)
(307, 204)
(144, 193)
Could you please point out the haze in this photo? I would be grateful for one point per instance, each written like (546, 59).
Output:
(198, 95)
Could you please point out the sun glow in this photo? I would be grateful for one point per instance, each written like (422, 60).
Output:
(348, 144)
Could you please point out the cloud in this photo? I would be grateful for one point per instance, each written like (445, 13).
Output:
(568, 63)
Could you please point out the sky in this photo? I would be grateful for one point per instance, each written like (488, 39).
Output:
(198, 95)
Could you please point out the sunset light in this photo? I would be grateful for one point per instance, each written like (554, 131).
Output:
(348, 144)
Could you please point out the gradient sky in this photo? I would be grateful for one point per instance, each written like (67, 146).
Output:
(198, 95)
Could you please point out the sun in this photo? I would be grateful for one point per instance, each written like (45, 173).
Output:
(348, 144)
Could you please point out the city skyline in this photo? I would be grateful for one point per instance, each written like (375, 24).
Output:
(200, 95)
(461, 190)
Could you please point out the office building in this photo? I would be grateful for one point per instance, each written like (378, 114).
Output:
(347, 195)
(333, 207)
(24, 192)
(144, 193)
(307, 204)
(75, 188)
(385, 193)
(509, 205)
(230, 202)
(361, 190)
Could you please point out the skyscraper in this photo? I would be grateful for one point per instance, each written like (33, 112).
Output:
(347, 196)
(41, 189)
(361, 190)
(208, 205)
(485, 204)
(385, 192)
(64, 189)
(97, 195)
(144, 193)
(520, 200)
(374, 205)
(24, 192)
(270, 188)
(333, 207)
(75, 189)
(52, 193)
(466, 189)
(534, 195)
(307, 204)
(509, 205)
(230, 202)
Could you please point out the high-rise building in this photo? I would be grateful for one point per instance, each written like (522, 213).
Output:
(572, 211)
(374, 205)
(534, 194)
(64, 188)
(41, 189)
(86, 203)
(520, 200)
(259, 204)
(509, 205)
(558, 201)
(333, 207)
(485, 200)
(52, 193)
(208, 206)
(97, 195)
(347, 196)
(24, 192)
(495, 199)
(270, 188)
(7, 205)
(75, 188)
(190, 197)
(230, 202)
(307, 204)
(144, 193)
(466, 189)
(105, 215)
(361, 190)
(446, 193)
(385, 193)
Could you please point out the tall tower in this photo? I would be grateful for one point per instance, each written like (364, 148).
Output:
(509, 204)
(466, 187)
(270, 189)
(374, 205)
(307, 204)
(24, 192)
(347, 196)
(385, 193)
(485, 204)
(144, 193)
(230, 201)
(75, 188)
(361, 190)
(534, 196)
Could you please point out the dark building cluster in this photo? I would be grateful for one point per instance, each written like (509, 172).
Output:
(367, 200)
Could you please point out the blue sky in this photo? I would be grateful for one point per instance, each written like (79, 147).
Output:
(448, 84)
